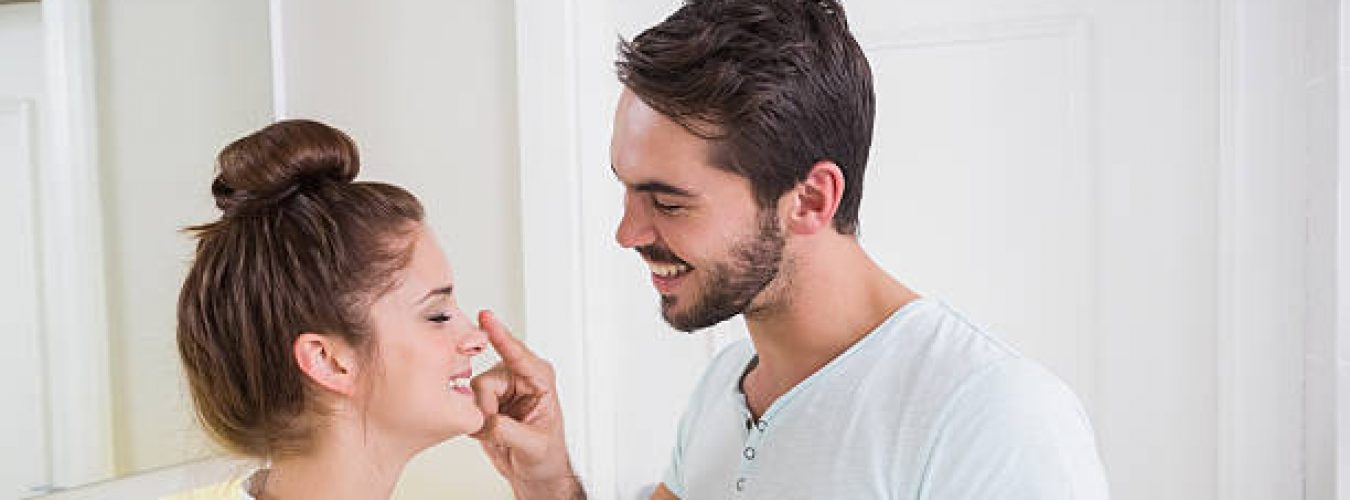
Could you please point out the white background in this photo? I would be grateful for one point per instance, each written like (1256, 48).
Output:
(1144, 195)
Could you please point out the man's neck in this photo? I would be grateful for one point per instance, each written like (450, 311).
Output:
(836, 297)
(346, 463)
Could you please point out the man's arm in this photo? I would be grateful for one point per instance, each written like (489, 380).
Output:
(522, 430)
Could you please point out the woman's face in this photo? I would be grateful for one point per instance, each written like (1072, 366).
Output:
(419, 387)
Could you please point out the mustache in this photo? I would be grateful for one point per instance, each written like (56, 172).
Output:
(659, 254)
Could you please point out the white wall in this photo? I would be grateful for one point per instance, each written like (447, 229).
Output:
(427, 90)
(175, 82)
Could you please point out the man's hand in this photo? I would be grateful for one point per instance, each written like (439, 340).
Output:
(523, 426)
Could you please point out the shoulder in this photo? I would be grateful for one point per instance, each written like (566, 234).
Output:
(1020, 390)
(1015, 395)
(1016, 427)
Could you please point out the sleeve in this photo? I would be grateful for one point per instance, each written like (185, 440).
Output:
(1014, 431)
(674, 479)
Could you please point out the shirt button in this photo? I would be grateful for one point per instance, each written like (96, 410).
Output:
(740, 484)
(761, 425)
(749, 453)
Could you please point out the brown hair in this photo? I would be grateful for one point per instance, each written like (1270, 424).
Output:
(777, 85)
(300, 247)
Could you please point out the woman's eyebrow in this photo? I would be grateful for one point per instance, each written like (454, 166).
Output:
(446, 290)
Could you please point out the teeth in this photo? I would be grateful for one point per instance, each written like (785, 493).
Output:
(667, 270)
(459, 383)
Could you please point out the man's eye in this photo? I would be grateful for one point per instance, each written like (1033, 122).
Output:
(438, 318)
(666, 208)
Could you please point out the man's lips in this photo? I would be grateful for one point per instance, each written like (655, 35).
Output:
(668, 269)
(666, 277)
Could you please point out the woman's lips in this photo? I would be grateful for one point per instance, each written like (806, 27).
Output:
(459, 382)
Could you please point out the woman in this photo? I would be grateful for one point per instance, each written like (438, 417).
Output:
(318, 325)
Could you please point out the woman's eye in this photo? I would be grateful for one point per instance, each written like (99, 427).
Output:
(438, 318)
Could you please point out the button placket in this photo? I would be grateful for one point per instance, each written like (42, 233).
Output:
(754, 440)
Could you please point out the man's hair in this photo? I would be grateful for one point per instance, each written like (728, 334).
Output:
(776, 85)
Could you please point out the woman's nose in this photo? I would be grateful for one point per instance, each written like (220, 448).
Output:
(474, 343)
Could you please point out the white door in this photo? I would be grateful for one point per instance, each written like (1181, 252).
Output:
(23, 464)
(1049, 168)
(1089, 179)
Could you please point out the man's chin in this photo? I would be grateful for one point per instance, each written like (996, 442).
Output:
(676, 318)
(682, 319)
(669, 313)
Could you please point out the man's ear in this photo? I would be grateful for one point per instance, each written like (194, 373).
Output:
(815, 199)
(327, 361)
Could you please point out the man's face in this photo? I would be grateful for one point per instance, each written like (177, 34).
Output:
(711, 250)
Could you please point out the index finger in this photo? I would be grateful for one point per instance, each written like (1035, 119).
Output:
(489, 387)
(513, 352)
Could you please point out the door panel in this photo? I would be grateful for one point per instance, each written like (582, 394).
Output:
(1048, 168)
(979, 191)
(23, 433)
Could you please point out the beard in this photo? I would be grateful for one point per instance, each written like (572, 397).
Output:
(731, 284)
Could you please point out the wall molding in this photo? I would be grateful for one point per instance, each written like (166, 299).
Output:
(277, 35)
(1074, 28)
(75, 318)
(1263, 254)
(551, 207)
(25, 352)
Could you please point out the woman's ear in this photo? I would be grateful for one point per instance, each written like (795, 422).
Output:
(815, 199)
(327, 361)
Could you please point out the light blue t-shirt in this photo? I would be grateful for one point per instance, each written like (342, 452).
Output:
(927, 406)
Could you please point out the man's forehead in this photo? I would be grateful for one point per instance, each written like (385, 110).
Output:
(635, 115)
(656, 183)
(651, 152)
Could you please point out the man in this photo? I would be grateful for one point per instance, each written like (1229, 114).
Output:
(742, 136)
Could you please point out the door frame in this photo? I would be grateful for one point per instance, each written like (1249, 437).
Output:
(79, 399)
(1279, 73)
(552, 230)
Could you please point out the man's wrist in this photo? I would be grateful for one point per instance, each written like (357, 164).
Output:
(563, 488)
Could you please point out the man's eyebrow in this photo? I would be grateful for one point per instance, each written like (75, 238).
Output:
(657, 187)
(446, 290)
(662, 188)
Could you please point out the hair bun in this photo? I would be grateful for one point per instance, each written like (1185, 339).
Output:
(287, 157)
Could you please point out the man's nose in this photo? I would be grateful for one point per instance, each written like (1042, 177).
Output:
(635, 228)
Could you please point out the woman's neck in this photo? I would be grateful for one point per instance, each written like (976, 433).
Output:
(345, 463)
